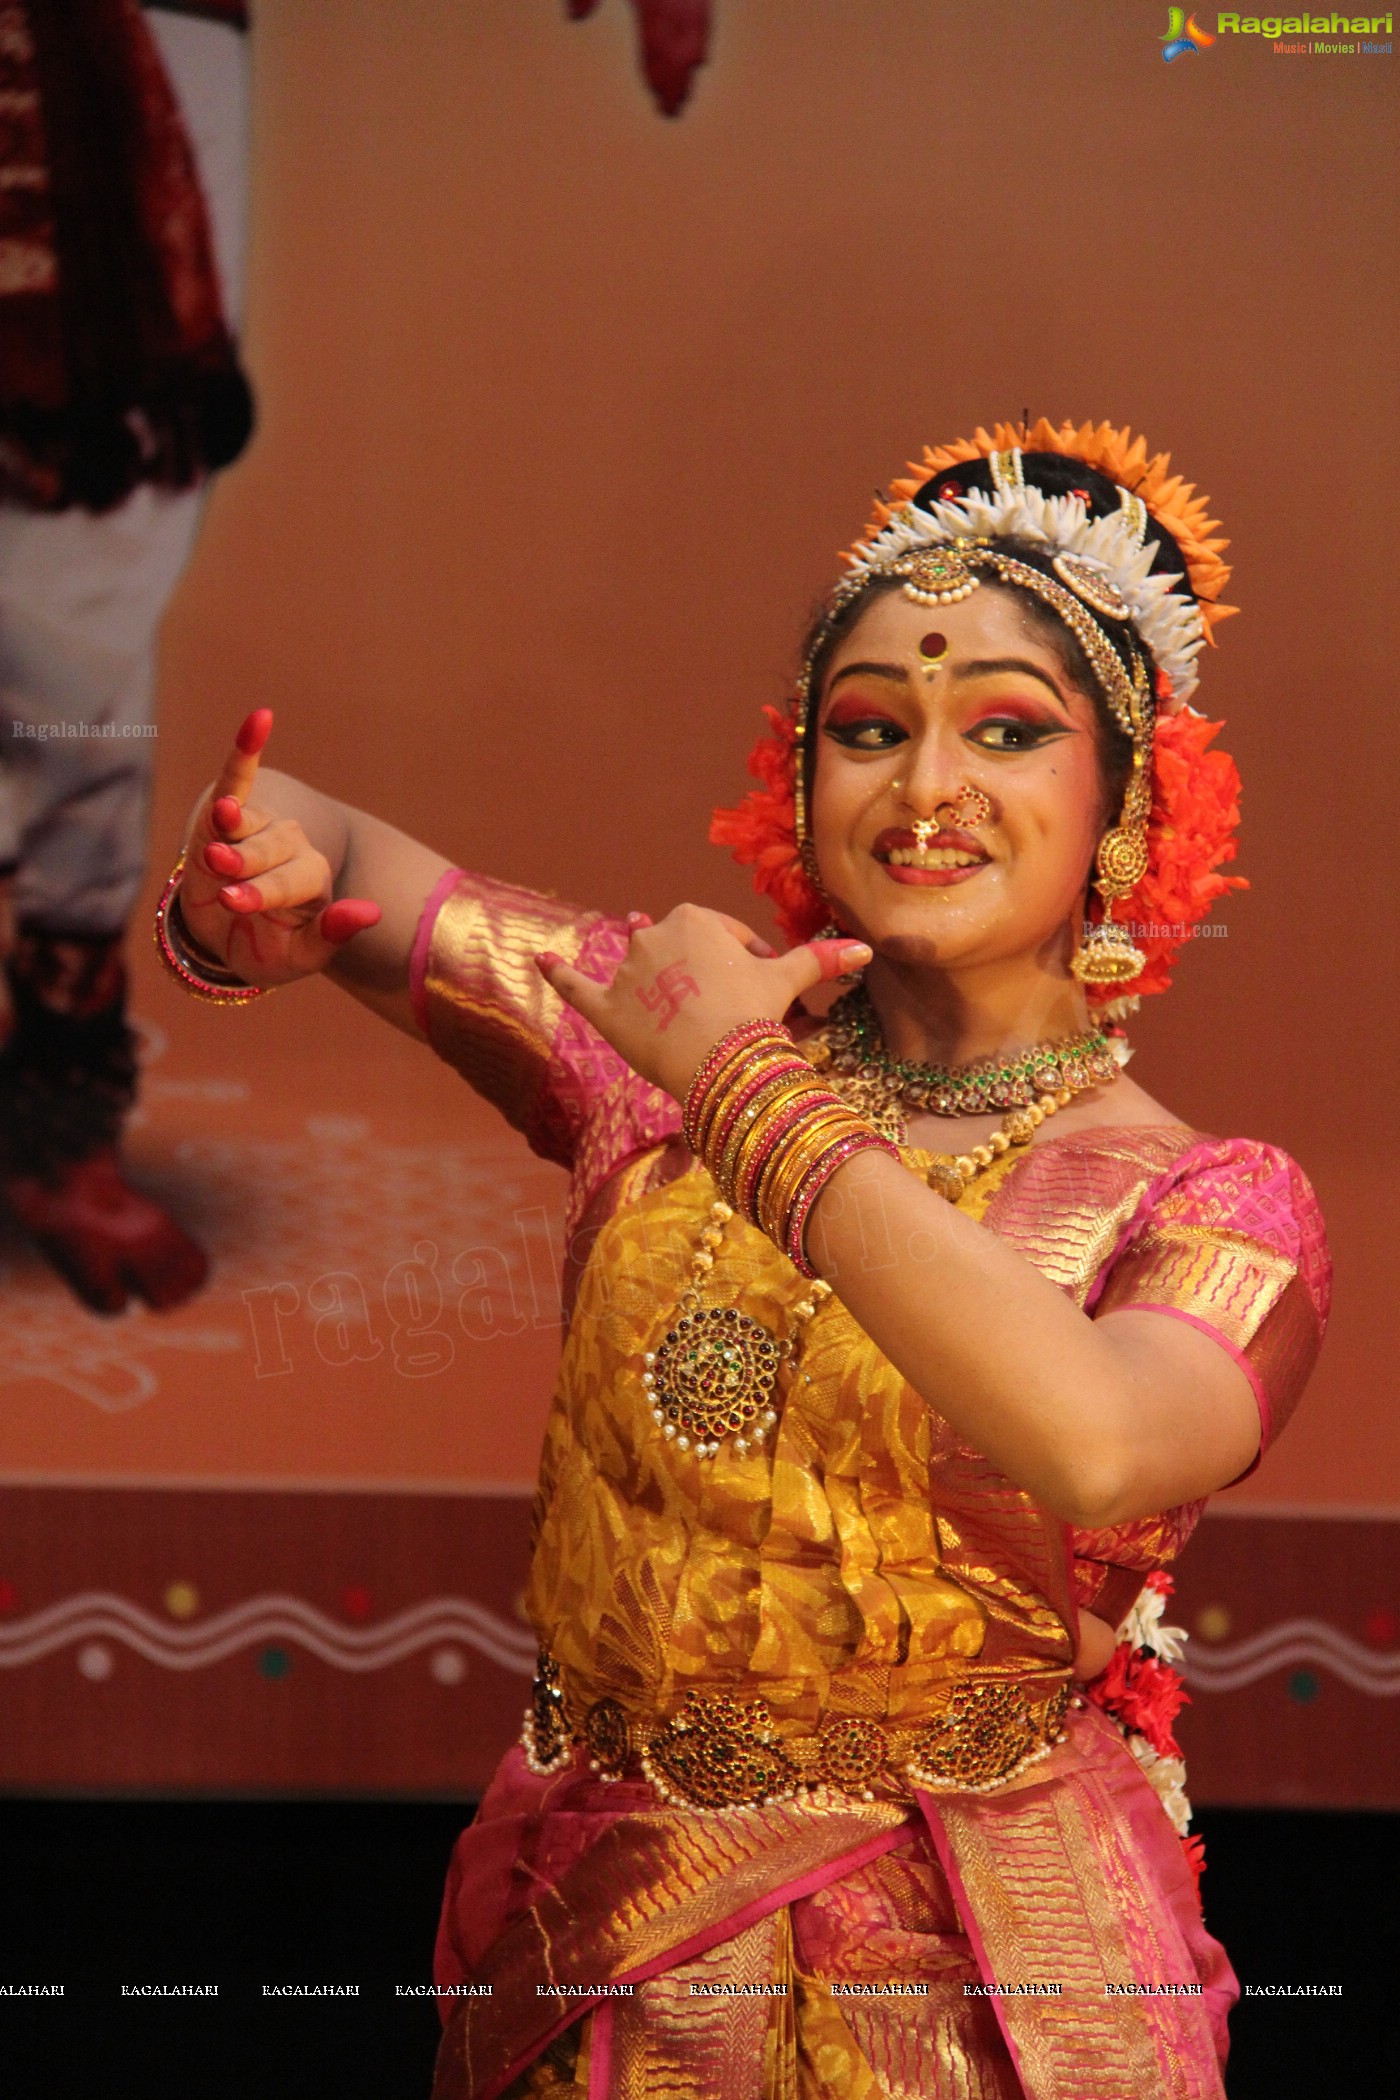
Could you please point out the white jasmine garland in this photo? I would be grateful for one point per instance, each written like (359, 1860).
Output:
(1143, 1627)
(1168, 620)
(1168, 1778)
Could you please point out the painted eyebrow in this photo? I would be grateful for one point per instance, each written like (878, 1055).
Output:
(893, 672)
(985, 666)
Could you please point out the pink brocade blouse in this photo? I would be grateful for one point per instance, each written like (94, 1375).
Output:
(1222, 1232)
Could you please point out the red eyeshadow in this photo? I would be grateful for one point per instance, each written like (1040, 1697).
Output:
(1018, 710)
(851, 708)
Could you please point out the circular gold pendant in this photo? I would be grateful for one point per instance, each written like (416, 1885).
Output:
(711, 1378)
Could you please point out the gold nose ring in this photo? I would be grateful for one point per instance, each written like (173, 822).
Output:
(970, 808)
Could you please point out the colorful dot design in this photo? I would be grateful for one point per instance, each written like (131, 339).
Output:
(1303, 1687)
(274, 1664)
(9, 1596)
(1213, 1622)
(1382, 1627)
(181, 1600)
(356, 1601)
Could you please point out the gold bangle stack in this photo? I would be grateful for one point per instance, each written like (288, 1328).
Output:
(770, 1133)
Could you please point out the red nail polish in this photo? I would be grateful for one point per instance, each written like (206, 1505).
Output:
(254, 731)
(348, 916)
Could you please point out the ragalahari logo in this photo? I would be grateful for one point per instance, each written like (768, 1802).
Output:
(1183, 34)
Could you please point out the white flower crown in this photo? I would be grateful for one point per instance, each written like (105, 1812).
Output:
(1168, 621)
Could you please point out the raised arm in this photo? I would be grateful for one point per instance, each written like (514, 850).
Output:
(283, 882)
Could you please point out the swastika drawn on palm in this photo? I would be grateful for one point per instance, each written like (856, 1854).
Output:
(663, 996)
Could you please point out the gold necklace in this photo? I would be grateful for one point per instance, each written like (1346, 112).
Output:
(951, 1173)
(857, 1045)
(849, 1053)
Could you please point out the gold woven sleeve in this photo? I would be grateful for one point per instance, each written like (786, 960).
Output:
(488, 1012)
(1246, 1295)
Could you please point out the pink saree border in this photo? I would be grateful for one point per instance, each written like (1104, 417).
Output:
(1266, 1419)
(791, 1891)
(942, 1845)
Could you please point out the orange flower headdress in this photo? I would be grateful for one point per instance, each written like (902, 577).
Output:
(1185, 793)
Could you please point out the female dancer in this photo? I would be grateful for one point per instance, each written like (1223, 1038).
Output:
(864, 1443)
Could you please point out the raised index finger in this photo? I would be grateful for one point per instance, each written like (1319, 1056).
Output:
(240, 768)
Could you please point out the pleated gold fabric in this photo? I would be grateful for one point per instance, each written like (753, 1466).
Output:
(865, 1564)
(868, 1559)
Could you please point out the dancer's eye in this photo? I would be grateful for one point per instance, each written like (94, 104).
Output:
(865, 732)
(1013, 732)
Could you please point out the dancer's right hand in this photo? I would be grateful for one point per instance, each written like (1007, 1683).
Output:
(255, 892)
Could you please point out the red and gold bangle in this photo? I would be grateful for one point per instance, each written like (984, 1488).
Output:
(734, 1090)
(203, 975)
(728, 1046)
(743, 1095)
(807, 1127)
(771, 1134)
(732, 1138)
(794, 1241)
(795, 1113)
(795, 1160)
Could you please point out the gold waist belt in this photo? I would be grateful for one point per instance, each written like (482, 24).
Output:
(721, 1752)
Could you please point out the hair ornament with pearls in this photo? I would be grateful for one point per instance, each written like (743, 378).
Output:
(1106, 562)
(1175, 624)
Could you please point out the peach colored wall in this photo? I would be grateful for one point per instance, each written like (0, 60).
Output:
(566, 411)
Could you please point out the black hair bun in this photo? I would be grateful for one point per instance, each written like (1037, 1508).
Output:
(1056, 474)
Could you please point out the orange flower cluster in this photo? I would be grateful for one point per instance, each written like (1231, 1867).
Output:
(1190, 835)
(1195, 814)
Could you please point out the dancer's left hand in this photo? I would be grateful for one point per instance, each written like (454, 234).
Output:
(688, 980)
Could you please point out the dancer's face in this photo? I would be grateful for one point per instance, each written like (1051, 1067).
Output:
(896, 739)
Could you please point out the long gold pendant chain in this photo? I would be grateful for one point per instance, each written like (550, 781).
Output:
(712, 1377)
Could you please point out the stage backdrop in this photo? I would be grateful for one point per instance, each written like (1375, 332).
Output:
(565, 413)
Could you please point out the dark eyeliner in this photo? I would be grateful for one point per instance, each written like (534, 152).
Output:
(845, 733)
(1033, 734)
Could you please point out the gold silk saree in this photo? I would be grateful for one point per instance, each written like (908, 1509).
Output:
(807, 1803)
